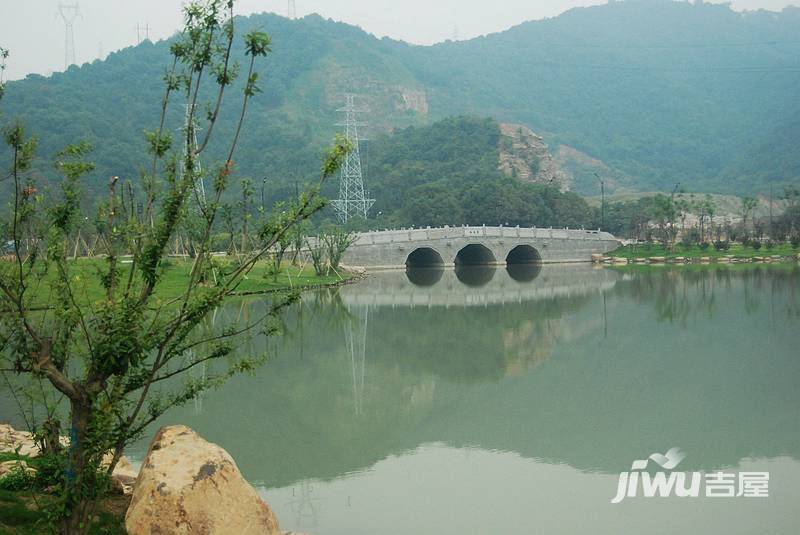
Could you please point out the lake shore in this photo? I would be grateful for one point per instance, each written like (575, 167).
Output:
(695, 254)
(88, 288)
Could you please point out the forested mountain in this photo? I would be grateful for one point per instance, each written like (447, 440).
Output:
(653, 92)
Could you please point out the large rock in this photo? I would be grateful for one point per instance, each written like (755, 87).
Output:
(188, 485)
(527, 157)
(11, 466)
(12, 441)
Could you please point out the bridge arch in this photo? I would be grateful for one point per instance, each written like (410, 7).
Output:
(475, 254)
(424, 257)
(523, 254)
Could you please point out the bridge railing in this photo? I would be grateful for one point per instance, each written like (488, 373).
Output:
(424, 234)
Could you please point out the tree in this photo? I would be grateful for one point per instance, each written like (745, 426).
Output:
(278, 252)
(244, 206)
(106, 355)
(664, 216)
(706, 209)
(336, 243)
(748, 205)
(298, 237)
(318, 254)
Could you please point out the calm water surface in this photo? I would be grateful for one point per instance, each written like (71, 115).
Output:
(489, 402)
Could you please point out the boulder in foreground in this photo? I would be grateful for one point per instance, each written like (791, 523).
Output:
(188, 485)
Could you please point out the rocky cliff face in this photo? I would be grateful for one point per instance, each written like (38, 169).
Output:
(526, 156)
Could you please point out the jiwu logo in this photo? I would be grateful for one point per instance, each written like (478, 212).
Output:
(659, 483)
(687, 484)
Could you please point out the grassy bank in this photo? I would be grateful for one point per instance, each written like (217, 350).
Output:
(26, 513)
(88, 289)
(695, 251)
(26, 507)
(785, 267)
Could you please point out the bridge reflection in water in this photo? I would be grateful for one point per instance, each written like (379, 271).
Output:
(366, 376)
(471, 275)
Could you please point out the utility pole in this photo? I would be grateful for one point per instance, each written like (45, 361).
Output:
(352, 201)
(68, 13)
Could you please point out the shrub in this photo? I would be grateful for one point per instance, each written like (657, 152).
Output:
(720, 245)
(49, 470)
(770, 245)
(690, 237)
(704, 246)
(795, 240)
(755, 244)
(17, 479)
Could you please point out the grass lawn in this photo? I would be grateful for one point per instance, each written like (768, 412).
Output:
(695, 251)
(88, 289)
(24, 513)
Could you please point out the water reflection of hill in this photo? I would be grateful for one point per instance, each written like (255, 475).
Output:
(354, 383)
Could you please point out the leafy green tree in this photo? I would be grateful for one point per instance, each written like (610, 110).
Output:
(107, 357)
(337, 241)
(245, 204)
(748, 205)
(664, 217)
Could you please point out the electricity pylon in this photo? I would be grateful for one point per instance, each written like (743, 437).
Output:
(142, 29)
(292, 9)
(352, 201)
(69, 12)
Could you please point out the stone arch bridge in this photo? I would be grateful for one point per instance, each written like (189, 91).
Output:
(454, 246)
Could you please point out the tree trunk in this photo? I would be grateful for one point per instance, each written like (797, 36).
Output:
(52, 433)
(81, 477)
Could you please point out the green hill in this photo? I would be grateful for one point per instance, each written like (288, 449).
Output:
(447, 174)
(656, 92)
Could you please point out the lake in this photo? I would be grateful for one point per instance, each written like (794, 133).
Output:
(490, 401)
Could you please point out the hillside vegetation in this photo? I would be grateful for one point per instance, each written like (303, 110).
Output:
(448, 174)
(657, 92)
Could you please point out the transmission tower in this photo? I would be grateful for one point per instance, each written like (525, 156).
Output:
(292, 9)
(352, 201)
(142, 29)
(69, 12)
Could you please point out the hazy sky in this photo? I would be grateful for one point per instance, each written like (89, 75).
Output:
(34, 32)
